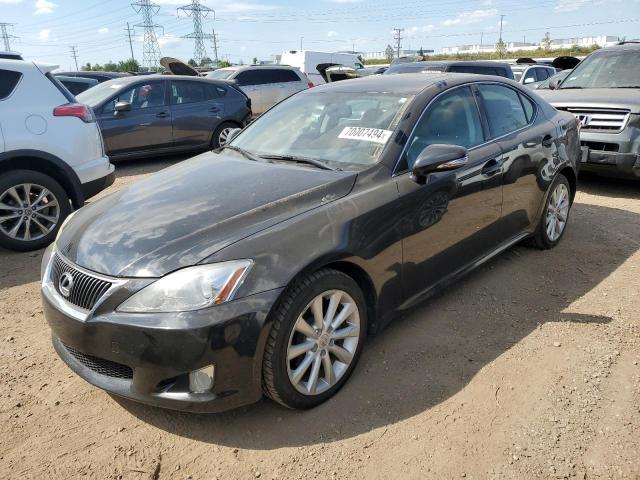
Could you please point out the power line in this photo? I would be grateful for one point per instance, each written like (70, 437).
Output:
(74, 54)
(6, 36)
(150, 48)
(128, 29)
(398, 38)
(198, 12)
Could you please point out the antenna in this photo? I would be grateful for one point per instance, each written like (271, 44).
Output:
(198, 12)
(6, 36)
(150, 47)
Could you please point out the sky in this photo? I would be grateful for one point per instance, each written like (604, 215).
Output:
(46, 29)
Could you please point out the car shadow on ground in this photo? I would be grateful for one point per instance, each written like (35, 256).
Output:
(609, 187)
(435, 350)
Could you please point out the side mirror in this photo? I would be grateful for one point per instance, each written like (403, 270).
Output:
(122, 107)
(438, 158)
(529, 80)
(554, 84)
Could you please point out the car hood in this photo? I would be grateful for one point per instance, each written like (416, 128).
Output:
(183, 214)
(625, 98)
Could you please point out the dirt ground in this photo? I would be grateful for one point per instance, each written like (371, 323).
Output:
(528, 368)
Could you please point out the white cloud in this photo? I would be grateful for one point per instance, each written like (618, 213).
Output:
(10, 1)
(414, 31)
(332, 33)
(570, 5)
(168, 39)
(43, 35)
(470, 17)
(103, 30)
(44, 7)
(224, 6)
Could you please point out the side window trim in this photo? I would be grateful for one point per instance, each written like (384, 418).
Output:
(396, 170)
(15, 86)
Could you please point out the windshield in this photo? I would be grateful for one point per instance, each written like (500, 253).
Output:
(344, 130)
(221, 74)
(95, 95)
(612, 69)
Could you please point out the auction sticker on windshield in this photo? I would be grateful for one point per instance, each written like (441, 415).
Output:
(376, 135)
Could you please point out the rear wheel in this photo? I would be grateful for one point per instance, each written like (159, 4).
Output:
(221, 134)
(32, 208)
(315, 341)
(555, 216)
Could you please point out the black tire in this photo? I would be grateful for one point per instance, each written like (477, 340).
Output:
(215, 139)
(276, 382)
(19, 177)
(540, 238)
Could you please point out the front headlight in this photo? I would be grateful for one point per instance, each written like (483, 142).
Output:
(191, 288)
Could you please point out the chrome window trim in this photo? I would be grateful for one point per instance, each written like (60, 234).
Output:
(397, 172)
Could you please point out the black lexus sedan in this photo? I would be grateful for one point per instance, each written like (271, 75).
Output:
(146, 116)
(261, 267)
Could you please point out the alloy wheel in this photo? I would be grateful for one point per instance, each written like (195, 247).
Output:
(557, 212)
(28, 211)
(223, 138)
(323, 342)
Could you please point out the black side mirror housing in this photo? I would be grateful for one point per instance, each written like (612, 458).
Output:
(122, 107)
(438, 158)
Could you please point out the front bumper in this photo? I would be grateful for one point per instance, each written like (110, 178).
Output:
(147, 357)
(622, 164)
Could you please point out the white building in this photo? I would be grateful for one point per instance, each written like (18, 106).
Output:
(601, 40)
(382, 54)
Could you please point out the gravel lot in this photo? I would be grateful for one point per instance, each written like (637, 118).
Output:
(528, 368)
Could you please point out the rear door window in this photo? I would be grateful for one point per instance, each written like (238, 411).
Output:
(476, 70)
(8, 81)
(504, 110)
(287, 76)
(188, 92)
(259, 76)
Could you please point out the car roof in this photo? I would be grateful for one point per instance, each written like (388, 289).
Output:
(76, 79)
(408, 83)
(145, 78)
(81, 73)
(470, 63)
(258, 67)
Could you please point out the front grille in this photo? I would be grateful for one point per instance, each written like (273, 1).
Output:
(604, 119)
(85, 289)
(100, 365)
(602, 146)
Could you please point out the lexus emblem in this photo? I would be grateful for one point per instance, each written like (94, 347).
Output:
(65, 284)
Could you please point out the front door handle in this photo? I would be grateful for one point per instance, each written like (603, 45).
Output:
(162, 115)
(547, 141)
(492, 167)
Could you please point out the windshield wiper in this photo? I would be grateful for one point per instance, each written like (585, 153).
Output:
(570, 88)
(629, 86)
(308, 161)
(245, 153)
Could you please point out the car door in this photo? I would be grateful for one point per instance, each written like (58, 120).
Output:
(289, 82)
(259, 86)
(452, 219)
(144, 128)
(196, 111)
(526, 139)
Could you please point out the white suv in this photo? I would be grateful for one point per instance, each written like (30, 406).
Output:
(51, 155)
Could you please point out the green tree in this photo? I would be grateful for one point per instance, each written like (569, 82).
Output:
(128, 66)
(86, 67)
(192, 62)
(361, 59)
(224, 63)
(546, 41)
(110, 67)
(501, 48)
(206, 61)
(388, 53)
(254, 61)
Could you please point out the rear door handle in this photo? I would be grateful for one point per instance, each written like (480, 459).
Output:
(214, 109)
(547, 141)
(162, 115)
(492, 167)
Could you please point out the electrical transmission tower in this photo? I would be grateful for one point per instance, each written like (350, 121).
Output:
(6, 36)
(398, 38)
(150, 47)
(198, 12)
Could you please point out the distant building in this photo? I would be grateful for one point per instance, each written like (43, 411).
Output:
(381, 54)
(601, 40)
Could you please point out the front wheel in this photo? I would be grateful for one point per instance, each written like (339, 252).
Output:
(32, 208)
(221, 134)
(316, 339)
(555, 216)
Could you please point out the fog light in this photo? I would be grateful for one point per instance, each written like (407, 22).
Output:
(201, 381)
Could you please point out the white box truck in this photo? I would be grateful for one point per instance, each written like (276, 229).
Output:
(313, 63)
